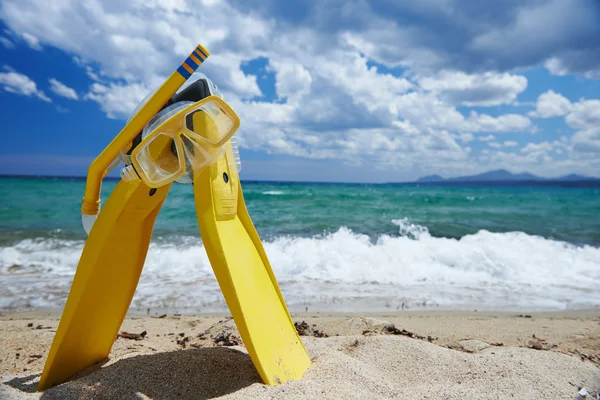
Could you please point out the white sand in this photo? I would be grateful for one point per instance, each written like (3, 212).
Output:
(361, 363)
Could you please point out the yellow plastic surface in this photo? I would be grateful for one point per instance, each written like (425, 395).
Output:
(245, 275)
(105, 281)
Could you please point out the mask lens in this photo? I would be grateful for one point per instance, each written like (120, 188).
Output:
(212, 121)
(159, 159)
(198, 155)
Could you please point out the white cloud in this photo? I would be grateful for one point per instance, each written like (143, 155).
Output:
(6, 42)
(561, 32)
(551, 104)
(503, 123)
(508, 143)
(506, 35)
(349, 72)
(556, 67)
(292, 80)
(18, 83)
(540, 162)
(117, 101)
(487, 138)
(587, 141)
(465, 137)
(31, 40)
(63, 90)
(584, 114)
(539, 147)
(537, 157)
(485, 89)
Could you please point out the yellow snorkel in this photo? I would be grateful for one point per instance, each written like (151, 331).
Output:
(90, 205)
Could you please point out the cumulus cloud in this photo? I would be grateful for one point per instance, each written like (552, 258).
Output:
(503, 123)
(18, 83)
(486, 89)
(538, 147)
(456, 34)
(540, 157)
(508, 143)
(583, 115)
(465, 137)
(63, 90)
(587, 141)
(551, 104)
(292, 80)
(556, 67)
(559, 29)
(117, 101)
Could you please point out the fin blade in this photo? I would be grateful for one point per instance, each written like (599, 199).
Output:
(246, 278)
(105, 281)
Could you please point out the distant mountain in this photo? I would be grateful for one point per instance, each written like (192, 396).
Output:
(498, 175)
(502, 175)
(575, 177)
(430, 178)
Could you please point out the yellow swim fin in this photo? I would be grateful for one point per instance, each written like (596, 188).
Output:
(105, 281)
(245, 275)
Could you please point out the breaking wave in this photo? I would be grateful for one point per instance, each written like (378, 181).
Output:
(339, 271)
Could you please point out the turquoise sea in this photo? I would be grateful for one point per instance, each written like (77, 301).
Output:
(333, 246)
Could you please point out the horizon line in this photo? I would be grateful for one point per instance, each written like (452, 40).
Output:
(444, 181)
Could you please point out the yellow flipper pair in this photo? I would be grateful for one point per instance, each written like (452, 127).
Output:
(115, 251)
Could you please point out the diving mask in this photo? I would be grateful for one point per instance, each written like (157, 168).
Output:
(183, 137)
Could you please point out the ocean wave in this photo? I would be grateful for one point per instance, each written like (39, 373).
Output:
(338, 271)
(273, 192)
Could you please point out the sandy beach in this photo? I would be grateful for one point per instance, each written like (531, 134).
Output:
(430, 355)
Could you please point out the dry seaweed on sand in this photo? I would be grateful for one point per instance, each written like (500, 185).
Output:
(536, 343)
(391, 328)
(226, 339)
(132, 336)
(304, 329)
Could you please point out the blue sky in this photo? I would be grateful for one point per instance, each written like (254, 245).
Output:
(364, 91)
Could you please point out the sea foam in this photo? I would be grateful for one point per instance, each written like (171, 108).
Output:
(339, 271)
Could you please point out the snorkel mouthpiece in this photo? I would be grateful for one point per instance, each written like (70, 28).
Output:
(90, 205)
(88, 222)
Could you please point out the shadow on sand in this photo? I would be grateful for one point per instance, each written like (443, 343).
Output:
(184, 374)
(26, 384)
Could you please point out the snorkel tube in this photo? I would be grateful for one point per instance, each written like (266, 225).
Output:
(101, 166)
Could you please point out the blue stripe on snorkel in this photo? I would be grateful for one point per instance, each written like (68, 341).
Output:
(183, 72)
